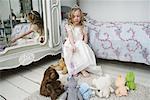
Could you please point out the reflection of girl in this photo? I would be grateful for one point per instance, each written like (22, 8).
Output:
(78, 56)
(36, 26)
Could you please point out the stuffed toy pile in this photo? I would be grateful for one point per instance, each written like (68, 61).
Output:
(51, 86)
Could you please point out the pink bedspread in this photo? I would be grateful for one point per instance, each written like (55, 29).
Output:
(124, 41)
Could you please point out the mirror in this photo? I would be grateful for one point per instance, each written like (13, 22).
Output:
(21, 24)
(26, 52)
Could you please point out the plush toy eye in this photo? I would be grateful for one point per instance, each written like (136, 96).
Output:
(98, 90)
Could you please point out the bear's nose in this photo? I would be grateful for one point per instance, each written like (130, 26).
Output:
(98, 90)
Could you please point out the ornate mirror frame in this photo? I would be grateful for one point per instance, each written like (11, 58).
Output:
(13, 57)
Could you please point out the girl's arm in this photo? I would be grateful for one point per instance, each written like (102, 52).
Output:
(21, 35)
(85, 36)
(70, 36)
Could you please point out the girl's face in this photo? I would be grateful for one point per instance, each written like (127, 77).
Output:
(76, 17)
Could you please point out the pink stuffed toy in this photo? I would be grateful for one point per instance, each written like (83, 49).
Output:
(121, 88)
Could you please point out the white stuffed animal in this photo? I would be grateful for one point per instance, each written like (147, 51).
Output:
(103, 86)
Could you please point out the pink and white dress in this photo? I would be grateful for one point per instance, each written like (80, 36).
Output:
(83, 57)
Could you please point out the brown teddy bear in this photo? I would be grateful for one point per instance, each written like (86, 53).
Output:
(50, 86)
(61, 66)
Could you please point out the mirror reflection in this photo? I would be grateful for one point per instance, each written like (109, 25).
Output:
(21, 23)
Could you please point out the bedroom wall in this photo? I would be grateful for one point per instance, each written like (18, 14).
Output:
(149, 9)
(5, 10)
(69, 3)
(117, 10)
(15, 5)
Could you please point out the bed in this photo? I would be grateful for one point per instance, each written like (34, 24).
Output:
(124, 41)
(21, 28)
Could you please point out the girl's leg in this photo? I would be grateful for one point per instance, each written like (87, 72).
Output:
(67, 59)
(85, 73)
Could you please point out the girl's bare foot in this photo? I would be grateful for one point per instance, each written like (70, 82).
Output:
(76, 75)
(85, 73)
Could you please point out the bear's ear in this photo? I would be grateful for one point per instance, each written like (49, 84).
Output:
(52, 75)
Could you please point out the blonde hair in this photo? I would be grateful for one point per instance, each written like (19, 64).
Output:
(35, 18)
(71, 15)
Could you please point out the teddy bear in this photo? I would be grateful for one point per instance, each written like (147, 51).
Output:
(130, 78)
(72, 91)
(103, 86)
(50, 85)
(121, 88)
(60, 66)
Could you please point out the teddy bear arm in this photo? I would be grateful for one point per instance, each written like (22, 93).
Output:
(117, 91)
(111, 89)
(64, 70)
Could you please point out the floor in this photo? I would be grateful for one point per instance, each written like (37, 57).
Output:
(18, 83)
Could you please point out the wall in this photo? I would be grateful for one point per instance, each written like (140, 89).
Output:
(149, 9)
(69, 3)
(5, 9)
(15, 5)
(117, 10)
(36, 5)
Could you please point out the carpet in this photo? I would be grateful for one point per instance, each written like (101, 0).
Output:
(141, 93)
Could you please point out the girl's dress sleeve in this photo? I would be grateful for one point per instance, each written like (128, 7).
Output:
(68, 28)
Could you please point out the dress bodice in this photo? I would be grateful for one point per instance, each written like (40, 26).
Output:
(77, 33)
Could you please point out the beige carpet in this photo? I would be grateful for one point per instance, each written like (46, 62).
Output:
(142, 93)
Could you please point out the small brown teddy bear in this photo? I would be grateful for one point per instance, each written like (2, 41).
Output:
(50, 86)
(61, 66)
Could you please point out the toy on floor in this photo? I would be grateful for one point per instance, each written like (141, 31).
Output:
(50, 85)
(130, 78)
(61, 66)
(103, 86)
(86, 91)
(121, 88)
(72, 91)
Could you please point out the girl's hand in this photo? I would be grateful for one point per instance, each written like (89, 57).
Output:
(73, 49)
(42, 39)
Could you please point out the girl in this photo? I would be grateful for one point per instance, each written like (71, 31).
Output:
(78, 56)
(36, 26)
